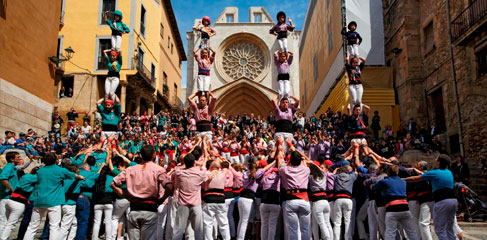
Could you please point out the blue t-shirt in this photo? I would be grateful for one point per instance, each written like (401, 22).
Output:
(49, 191)
(391, 187)
(439, 178)
(9, 172)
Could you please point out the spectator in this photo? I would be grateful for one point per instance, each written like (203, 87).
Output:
(460, 170)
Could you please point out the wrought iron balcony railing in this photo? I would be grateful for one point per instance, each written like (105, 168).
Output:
(467, 19)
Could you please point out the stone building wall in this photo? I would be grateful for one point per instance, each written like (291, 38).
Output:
(420, 72)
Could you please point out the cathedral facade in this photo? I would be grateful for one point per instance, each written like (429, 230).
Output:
(243, 75)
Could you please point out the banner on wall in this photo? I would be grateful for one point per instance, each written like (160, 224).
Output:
(369, 17)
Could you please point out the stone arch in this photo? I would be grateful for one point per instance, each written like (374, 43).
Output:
(243, 98)
(245, 47)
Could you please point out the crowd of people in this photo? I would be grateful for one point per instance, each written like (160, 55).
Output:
(172, 174)
(203, 175)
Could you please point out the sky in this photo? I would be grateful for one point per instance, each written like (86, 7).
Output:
(188, 10)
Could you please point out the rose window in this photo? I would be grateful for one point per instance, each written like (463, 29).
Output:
(243, 59)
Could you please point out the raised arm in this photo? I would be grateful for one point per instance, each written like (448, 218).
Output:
(190, 98)
(274, 102)
(296, 101)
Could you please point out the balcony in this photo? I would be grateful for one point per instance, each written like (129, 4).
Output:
(146, 74)
(472, 18)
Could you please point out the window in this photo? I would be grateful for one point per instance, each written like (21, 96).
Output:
(429, 38)
(175, 90)
(153, 72)
(454, 144)
(102, 45)
(172, 47)
(142, 21)
(315, 67)
(168, 42)
(165, 87)
(258, 17)
(140, 58)
(179, 62)
(67, 83)
(107, 5)
(438, 111)
(229, 18)
(162, 31)
(482, 61)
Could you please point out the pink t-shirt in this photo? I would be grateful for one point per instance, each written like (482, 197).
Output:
(237, 178)
(294, 177)
(144, 181)
(271, 180)
(189, 182)
(217, 180)
(228, 177)
(205, 113)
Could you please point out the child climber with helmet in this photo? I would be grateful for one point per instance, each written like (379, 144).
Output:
(353, 39)
(280, 30)
(206, 32)
(118, 28)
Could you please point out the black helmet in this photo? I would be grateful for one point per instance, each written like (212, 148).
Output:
(352, 23)
(281, 13)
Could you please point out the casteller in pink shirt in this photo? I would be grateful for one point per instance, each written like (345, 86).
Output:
(189, 182)
(144, 181)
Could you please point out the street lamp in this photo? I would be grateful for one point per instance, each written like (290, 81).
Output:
(69, 54)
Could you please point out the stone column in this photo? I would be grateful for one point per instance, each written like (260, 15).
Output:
(137, 103)
(123, 96)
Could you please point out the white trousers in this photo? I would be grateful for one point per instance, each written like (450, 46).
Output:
(353, 50)
(111, 84)
(13, 210)
(269, 215)
(3, 214)
(218, 211)
(230, 205)
(172, 211)
(203, 83)
(54, 214)
(234, 159)
(343, 208)
(205, 43)
(120, 207)
(244, 208)
(116, 42)
(100, 210)
(395, 220)
(297, 219)
(283, 88)
(355, 91)
(225, 155)
(282, 44)
(195, 216)
(361, 216)
(321, 219)
(284, 136)
(244, 158)
(425, 213)
(162, 213)
(69, 224)
(372, 218)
